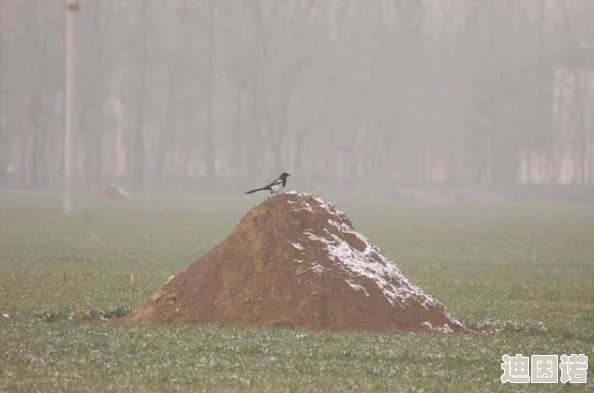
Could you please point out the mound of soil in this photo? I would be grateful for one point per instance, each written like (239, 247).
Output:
(296, 261)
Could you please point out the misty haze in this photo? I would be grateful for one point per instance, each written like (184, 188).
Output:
(380, 97)
(306, 196)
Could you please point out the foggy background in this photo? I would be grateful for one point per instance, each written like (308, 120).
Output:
(360, 97)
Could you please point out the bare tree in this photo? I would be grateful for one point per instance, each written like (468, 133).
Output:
(184, 94)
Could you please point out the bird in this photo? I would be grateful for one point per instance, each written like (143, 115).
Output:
(274, 186)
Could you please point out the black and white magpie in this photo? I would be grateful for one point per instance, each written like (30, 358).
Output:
(274, 186)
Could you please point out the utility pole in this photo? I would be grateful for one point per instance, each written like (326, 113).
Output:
(69, 101)
(2, 169)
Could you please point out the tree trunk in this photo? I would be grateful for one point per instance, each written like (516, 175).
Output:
(298, 165)
(240, 173)
(138, 152)
(89, 152)
(34, 175)
(163, 134)
(253, 145)
(5, 156)
(160, 162)
(42, 151)
(98, 159)
(208, 132)
(138, 156)
(3, 140)
(37, 146)
(278, 157)
(581, 125)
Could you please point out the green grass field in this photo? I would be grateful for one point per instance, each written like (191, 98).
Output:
(527, 271)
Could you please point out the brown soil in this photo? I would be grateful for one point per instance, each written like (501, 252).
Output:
(295, 261)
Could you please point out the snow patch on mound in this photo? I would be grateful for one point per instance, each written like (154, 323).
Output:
(318, 269)
(370, 264)
(367, 263)
(445, 329)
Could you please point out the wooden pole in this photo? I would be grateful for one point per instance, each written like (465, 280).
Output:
(2, 168)
(69, 102)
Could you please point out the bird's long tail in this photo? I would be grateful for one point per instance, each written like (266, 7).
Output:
(255, 190)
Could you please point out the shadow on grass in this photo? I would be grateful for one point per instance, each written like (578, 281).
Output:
(488, 327)
(71, 314)
(506, 327)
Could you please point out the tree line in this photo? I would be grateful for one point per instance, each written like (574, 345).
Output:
(190, 94)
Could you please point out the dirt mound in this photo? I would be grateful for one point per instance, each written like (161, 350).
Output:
(296, 261)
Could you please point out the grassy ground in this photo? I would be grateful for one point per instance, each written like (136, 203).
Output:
(526, 270)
